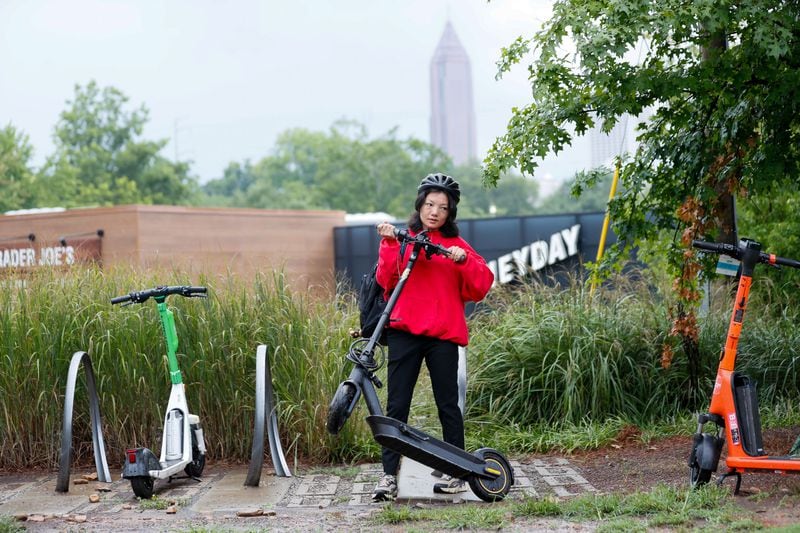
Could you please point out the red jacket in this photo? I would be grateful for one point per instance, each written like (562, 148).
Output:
(432, 301)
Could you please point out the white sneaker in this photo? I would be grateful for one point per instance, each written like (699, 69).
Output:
(386, 489)
(451, 485)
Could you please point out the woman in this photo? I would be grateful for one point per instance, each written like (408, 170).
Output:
(428, 322)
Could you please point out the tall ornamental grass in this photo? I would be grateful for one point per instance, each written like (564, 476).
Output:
(548, 367)
(769, 346)
(54, 314)
(554, 356)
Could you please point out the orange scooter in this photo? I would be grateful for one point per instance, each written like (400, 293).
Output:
(734, 404)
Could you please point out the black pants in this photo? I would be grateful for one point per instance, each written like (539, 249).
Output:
(406, 353)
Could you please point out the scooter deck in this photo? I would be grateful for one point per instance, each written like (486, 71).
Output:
(425, 449)
(779, 463)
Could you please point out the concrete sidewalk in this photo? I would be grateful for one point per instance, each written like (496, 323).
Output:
(221, 497)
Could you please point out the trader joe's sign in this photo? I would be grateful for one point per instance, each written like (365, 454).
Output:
(27, 256)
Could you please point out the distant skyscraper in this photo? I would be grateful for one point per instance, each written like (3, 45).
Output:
(606, 146)
(452, 105)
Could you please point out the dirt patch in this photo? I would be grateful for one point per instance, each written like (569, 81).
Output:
(632, 466)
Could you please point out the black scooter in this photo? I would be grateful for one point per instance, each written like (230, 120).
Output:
(487, 471)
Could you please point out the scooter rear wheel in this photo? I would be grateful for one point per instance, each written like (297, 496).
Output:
(143, 486)
(337, 412)
(492, 490)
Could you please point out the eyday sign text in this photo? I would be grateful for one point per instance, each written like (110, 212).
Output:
(561, 245)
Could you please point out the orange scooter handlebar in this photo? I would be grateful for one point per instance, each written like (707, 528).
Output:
(736, 253)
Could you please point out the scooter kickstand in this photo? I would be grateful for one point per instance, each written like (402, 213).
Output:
(728, 474)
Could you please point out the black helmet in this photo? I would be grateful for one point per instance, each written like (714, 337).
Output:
(441, 182)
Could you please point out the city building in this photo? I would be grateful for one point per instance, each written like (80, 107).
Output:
(605, 147)
(199, 240)
(452, 103)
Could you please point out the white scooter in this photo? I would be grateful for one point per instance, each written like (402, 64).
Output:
(182, 444)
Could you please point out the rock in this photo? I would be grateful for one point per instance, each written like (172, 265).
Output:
(78, 518)
(127, 506)
(270, 513)
(80, 482)
(102, 488)
(250, 512)
(90, 477)
(35, 518)
(20, 517)
(172, 509)
(94, 498)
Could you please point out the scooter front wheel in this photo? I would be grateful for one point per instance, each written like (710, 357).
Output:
(195, 468)
(143, 486)
(492, 490)
(340, 405)
(698, 477)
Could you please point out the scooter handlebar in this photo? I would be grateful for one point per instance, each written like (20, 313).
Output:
(736, 253)
(421, 239)
(782, 261)
(717, 247)
(142, 296)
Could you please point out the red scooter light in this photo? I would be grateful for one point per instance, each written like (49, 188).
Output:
(131, 456)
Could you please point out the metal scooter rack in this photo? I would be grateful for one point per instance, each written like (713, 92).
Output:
(62, 485)
(265, 406)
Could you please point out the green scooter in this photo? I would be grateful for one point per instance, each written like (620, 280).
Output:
(182, 444)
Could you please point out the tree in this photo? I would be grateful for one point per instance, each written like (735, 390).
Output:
(345, 169)
(339, 169)
(772, 220)
(723, 121)
(100, 159)
(515, 195)
(16, 177)
(236, 178)
(586, 192)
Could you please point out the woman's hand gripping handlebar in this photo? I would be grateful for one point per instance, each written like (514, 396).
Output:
(736, 252)
(138, 297)
(456, 253)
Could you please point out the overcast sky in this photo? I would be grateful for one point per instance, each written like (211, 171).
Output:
(223, 78)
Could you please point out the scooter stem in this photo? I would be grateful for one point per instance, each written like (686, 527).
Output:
(171, 336)
(384, 319)
(749, 259)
